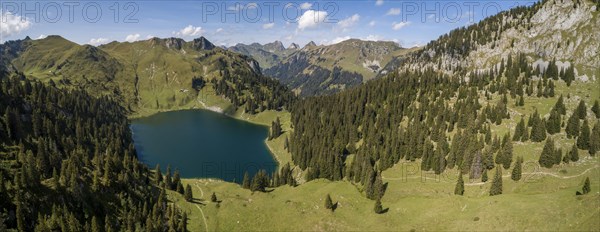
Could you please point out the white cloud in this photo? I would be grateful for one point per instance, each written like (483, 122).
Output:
(393, 11)
(268, 25)
(311, 19)
(219, 30)
(41, 36)
(379, 2)
(305, 6)
(150, 36)
(132, 37)
(335, 40)
(374, 38)
(13, 24)
(372, 23)
(98, 41)
(350, 21)
(400, 25)
(190, 31)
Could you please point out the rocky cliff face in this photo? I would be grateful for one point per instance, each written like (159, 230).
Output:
(561, 30)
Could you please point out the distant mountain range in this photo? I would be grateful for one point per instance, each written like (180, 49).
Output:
(267, 55)
(326, 69)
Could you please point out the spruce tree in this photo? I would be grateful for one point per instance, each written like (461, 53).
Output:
(496, 188)
(246, 181)
(586, 186)
(378, 208)
(560, 106)
(188, 195)
(596, 109)
(538, 128)
(507, 152)
(572, 128)
(328, 202)
(595, 140)
(158, 175)
(95, 225)
(459, 189)
(583, 141)
(516, 172)
(519, 130)
(581, 110)
(484, 176)
(553, 123)
(558, 154)
(567, 158)
(574, 153)
(548, 153)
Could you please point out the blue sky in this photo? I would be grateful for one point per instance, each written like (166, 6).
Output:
(226, 23)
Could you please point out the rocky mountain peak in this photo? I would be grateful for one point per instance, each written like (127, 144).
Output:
(274, 46)
(202, 44)
(310, 44)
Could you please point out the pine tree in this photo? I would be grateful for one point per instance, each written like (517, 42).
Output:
(596, 109)
(496, 188)
(574, 153)
(328, 203)
(213, 197)
(378, 208)
(586, 186)
(581, 110)
(547, 159)
(188, 194)
(583, 141)
(459, 189)
(572, 128)
(516, 172)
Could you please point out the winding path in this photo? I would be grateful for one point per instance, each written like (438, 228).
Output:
(201, 211)
(507, 175)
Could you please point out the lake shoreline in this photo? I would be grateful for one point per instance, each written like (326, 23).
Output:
(236, 115)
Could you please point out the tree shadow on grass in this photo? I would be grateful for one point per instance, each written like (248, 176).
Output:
(197, 201)
(334, 206)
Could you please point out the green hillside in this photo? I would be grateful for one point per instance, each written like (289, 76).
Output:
(148, 76)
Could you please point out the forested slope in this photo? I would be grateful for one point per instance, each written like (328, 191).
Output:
(451, 115)
(67, 163)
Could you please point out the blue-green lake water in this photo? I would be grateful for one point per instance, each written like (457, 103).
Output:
(202, 143)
